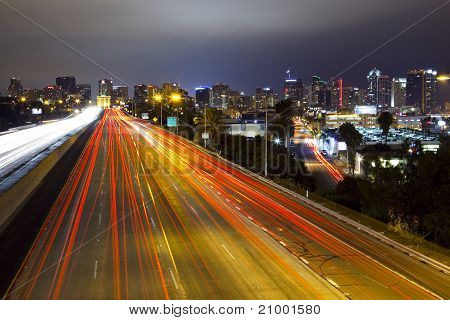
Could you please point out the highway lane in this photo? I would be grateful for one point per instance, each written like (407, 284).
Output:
(135, 221)
(18, 148)
(361, 266)
(159, 218)
(325, 175)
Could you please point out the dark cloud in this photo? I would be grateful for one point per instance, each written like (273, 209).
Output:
(243, 42)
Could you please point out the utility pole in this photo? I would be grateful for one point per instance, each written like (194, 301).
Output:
(161, 105)
(265, 148)
(205, 127)
(177, 120)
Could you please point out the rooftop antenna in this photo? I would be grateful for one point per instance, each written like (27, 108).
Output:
(288, 72)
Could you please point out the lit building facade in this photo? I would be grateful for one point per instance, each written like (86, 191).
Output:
(398, 94)
(15, 88)
(421, 90)
(67, 84)
(105, 87)
(203, 97)
(221, 95)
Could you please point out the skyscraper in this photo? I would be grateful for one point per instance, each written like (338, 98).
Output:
(351, 98)
(293, 89)
(398, 94)
(203, 97)
(105, 87)
(264, 98)
(85, 90)
(120, 93)
(421, 90)
(140, 93)
(372, 87)
(384, 86)
(15, 88)
(67, 84)
(220, 95)
(337, 95)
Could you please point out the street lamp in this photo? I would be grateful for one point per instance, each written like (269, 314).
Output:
(176, 98)
(158, 98)
(443, 77)
(23, 99)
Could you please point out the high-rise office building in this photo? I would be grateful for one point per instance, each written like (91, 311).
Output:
(85, 91)
(372, 87)
(203, 97)
(140, 93)
(337, 95)
(398, 94)
(120, 93)
(384, 85)
(264, 98)
(67, 84)
(105, 87)
(293, 89)
(220, 95)
(351, 98)
(421, 90)
(15, 88)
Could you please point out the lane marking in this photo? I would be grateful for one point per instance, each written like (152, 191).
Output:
(229, 253)
(173, 279)
(100, 219)
(282, 243)
(95, 269)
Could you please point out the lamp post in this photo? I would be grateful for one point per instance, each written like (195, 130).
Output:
(205, 128)
(265, 145)
(176, 98)
(158, 98)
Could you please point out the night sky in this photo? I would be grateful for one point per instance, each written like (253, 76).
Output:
(246, 43)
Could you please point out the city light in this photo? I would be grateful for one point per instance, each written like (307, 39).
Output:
(157, 98)
(443, 77)
(175, 97)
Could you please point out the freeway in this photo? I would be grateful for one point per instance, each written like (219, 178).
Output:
(326, 175)
(146, 214)
(21, 149)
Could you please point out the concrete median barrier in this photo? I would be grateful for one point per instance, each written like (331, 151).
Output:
(13, 198)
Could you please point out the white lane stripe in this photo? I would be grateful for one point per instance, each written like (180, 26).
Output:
(229, 253)
(95, 269)
(173, 279)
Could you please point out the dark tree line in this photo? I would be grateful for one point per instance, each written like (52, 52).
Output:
(415, 195)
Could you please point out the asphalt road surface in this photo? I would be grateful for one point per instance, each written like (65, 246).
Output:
(148, 215)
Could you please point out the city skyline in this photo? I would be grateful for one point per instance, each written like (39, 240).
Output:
(243, 63)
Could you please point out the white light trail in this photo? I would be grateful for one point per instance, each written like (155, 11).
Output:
(18, 146)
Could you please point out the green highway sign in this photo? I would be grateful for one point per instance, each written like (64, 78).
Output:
(171, 122)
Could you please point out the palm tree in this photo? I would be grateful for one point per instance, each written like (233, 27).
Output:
(351, 136)
(385, 120)
(214, 126)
